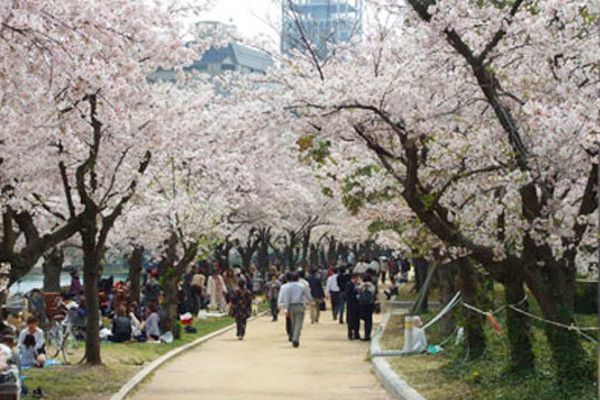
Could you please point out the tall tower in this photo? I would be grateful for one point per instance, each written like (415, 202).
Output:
(322, 23)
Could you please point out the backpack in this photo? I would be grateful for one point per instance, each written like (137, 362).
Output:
(366, 297)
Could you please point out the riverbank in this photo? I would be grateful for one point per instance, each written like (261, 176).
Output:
(121, 362)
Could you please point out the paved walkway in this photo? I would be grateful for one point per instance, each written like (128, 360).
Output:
(265, 366)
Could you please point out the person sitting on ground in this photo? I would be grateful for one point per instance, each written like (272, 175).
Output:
(136, 325)
(121, 326)
(31, 345)
(150, 325)
(10, 383)
(419, 343)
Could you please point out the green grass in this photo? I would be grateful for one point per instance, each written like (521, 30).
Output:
(406, 293)
(449, 376)
(121, 362)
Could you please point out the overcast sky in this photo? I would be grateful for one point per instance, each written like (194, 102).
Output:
(252, 17)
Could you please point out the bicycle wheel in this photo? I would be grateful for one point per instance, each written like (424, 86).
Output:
(54, 339)
(68, 346)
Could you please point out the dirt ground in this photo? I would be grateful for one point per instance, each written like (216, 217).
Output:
(326, 366)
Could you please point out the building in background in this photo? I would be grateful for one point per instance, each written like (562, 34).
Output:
(322, 23)
(233, 57)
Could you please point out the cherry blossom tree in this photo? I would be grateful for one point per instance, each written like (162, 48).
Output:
(483, 118)
(81, 122)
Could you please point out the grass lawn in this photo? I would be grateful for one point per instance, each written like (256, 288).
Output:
(406, 293)
(449, 376)
(121, 361)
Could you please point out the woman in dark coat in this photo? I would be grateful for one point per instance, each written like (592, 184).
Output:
(240, 308)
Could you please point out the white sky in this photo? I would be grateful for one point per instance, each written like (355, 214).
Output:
(252, 17)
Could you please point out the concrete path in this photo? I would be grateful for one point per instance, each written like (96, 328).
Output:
(326, 366)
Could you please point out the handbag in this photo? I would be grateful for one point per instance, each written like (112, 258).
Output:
(322, 306)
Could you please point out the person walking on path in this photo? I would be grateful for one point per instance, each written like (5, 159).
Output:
(240, 308)
(285, 278)
(293, 298)
(273, 294)
(366, 302)
(317, 293)
(342, 280)
(333, 290)
(353, 308)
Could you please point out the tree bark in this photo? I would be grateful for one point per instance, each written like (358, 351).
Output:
(22, 261)
(91, 268)
(314, 256)
(446, 274)
(519, 327)
(173, 273)
(136, 266)
(473, 322)
(421, 269)
(571, 361)
(221, 252)
(262, 256)
(52, 267)
(305, 244)
(332, 251)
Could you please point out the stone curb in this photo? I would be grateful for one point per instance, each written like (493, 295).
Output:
(395, 385)
(130, 385)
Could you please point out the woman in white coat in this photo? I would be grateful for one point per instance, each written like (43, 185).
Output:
(217, 290)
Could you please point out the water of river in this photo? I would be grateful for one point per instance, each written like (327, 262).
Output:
(35, 280)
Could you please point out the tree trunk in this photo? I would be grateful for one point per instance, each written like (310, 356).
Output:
(519, 327)
(136, 266)
(52, 267)
(262, 255)
(571, 361)
(332, 251)
(473, 322)
(446, 274)
(91, 268)
(343, 252)
(305, 245)
(314, 256)
(221, 253)
(421, 270)
(246, 256)
(173, 274)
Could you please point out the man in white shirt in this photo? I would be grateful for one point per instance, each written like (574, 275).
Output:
(293, 298)
(333, 290)
(361, 267)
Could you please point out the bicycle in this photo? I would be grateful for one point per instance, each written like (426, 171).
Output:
(63, 333)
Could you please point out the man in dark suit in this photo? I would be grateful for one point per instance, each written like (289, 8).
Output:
(353, 309)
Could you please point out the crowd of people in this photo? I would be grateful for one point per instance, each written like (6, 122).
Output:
(350, 289)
